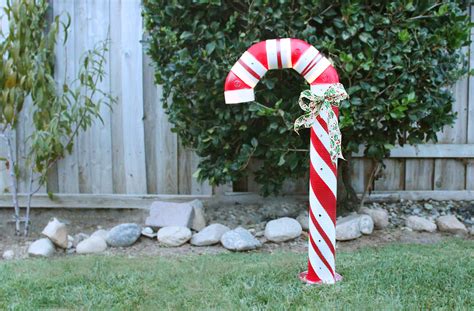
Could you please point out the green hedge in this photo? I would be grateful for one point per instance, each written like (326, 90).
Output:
(397, 59)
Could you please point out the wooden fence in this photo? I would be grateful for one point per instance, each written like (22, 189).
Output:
(133, 152)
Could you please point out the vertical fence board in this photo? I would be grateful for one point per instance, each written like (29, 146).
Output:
(118, 168)
(184, 170)
(419, 174)
(450, 174)
(392, 176)
(470, 114)
(132, 97)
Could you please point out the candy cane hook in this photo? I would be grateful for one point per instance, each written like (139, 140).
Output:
(320, 74)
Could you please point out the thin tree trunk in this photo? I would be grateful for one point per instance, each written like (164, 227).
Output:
(13, 179)
(368, 186)
(28, 205)
(347, 197)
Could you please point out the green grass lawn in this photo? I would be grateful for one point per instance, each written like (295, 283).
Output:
(407, 277)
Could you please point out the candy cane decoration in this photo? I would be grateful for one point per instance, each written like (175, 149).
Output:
(320, 74)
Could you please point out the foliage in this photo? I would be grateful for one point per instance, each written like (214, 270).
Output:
(397, 59)
(395, 277)
(58, 112)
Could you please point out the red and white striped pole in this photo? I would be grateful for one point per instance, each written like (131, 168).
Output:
(320, 74)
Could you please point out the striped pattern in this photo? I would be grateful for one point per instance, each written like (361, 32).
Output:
(322, 210)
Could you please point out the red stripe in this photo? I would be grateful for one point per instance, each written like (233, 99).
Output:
(253, 73)
(322, 192)
(322, 151)
(321, 232)
(316, 249)
(323, 123)
(311, 65)
(278, 48)
(312, 276)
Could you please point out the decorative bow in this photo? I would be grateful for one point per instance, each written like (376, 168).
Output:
(315, 105)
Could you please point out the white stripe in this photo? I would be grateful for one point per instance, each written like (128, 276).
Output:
(285, 50)
(254, 64)
(323, 170)
(324, 220)
(317, 70)
(321, 133)
(244, 75)
(239, 96)
(271, 50)
(322, 246)
(304, 59)
(319, 267)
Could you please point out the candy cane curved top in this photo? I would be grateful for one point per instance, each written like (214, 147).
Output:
(277, 54)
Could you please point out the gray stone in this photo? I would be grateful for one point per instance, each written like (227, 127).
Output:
(41, 248)
(165, 214)
(451, 224)
(149, 233)
(209, 235)
(353, 226)
(78, 238)
(123, 235)
(282, 229)
(303, 219)
(199, 217)
(379, 216)
(471, 231)
(239, 239)
(101, 233)
(174, 235)
(56, 231)
(91, 245)
(8, 254)
(418, 223)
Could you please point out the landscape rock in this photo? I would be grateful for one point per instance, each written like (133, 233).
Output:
(353, 226)
(418, 223)
(174, 235)
(303, 219)
(149, 233)
(41, 248)
(379, 216)
(166, 214)
(199, 217)
(78, 238)
(91, 245)
(56, 231)
(239, 239)
(209, 235)
(282, 229)
(101, 233)
(8, 254)
(277, 208)
(451, 224)
(123, 235)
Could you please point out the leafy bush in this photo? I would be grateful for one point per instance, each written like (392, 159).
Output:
(397, 59)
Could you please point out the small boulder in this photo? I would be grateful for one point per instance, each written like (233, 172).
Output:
(303, 219)
(209, 235)
(8, 254)
(56, 231)
(353, 226)
(199, 217)
(123, 235)
(174, 235)
(149, 233)
(41, 248)
(418, 223)
(101, 233)
(91, 245)
(451, 224)
(239, 239)
(78, 238)
(282, 229)
(379, 216)
(165, 214)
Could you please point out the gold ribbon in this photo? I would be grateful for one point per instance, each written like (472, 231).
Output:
(314, 105)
